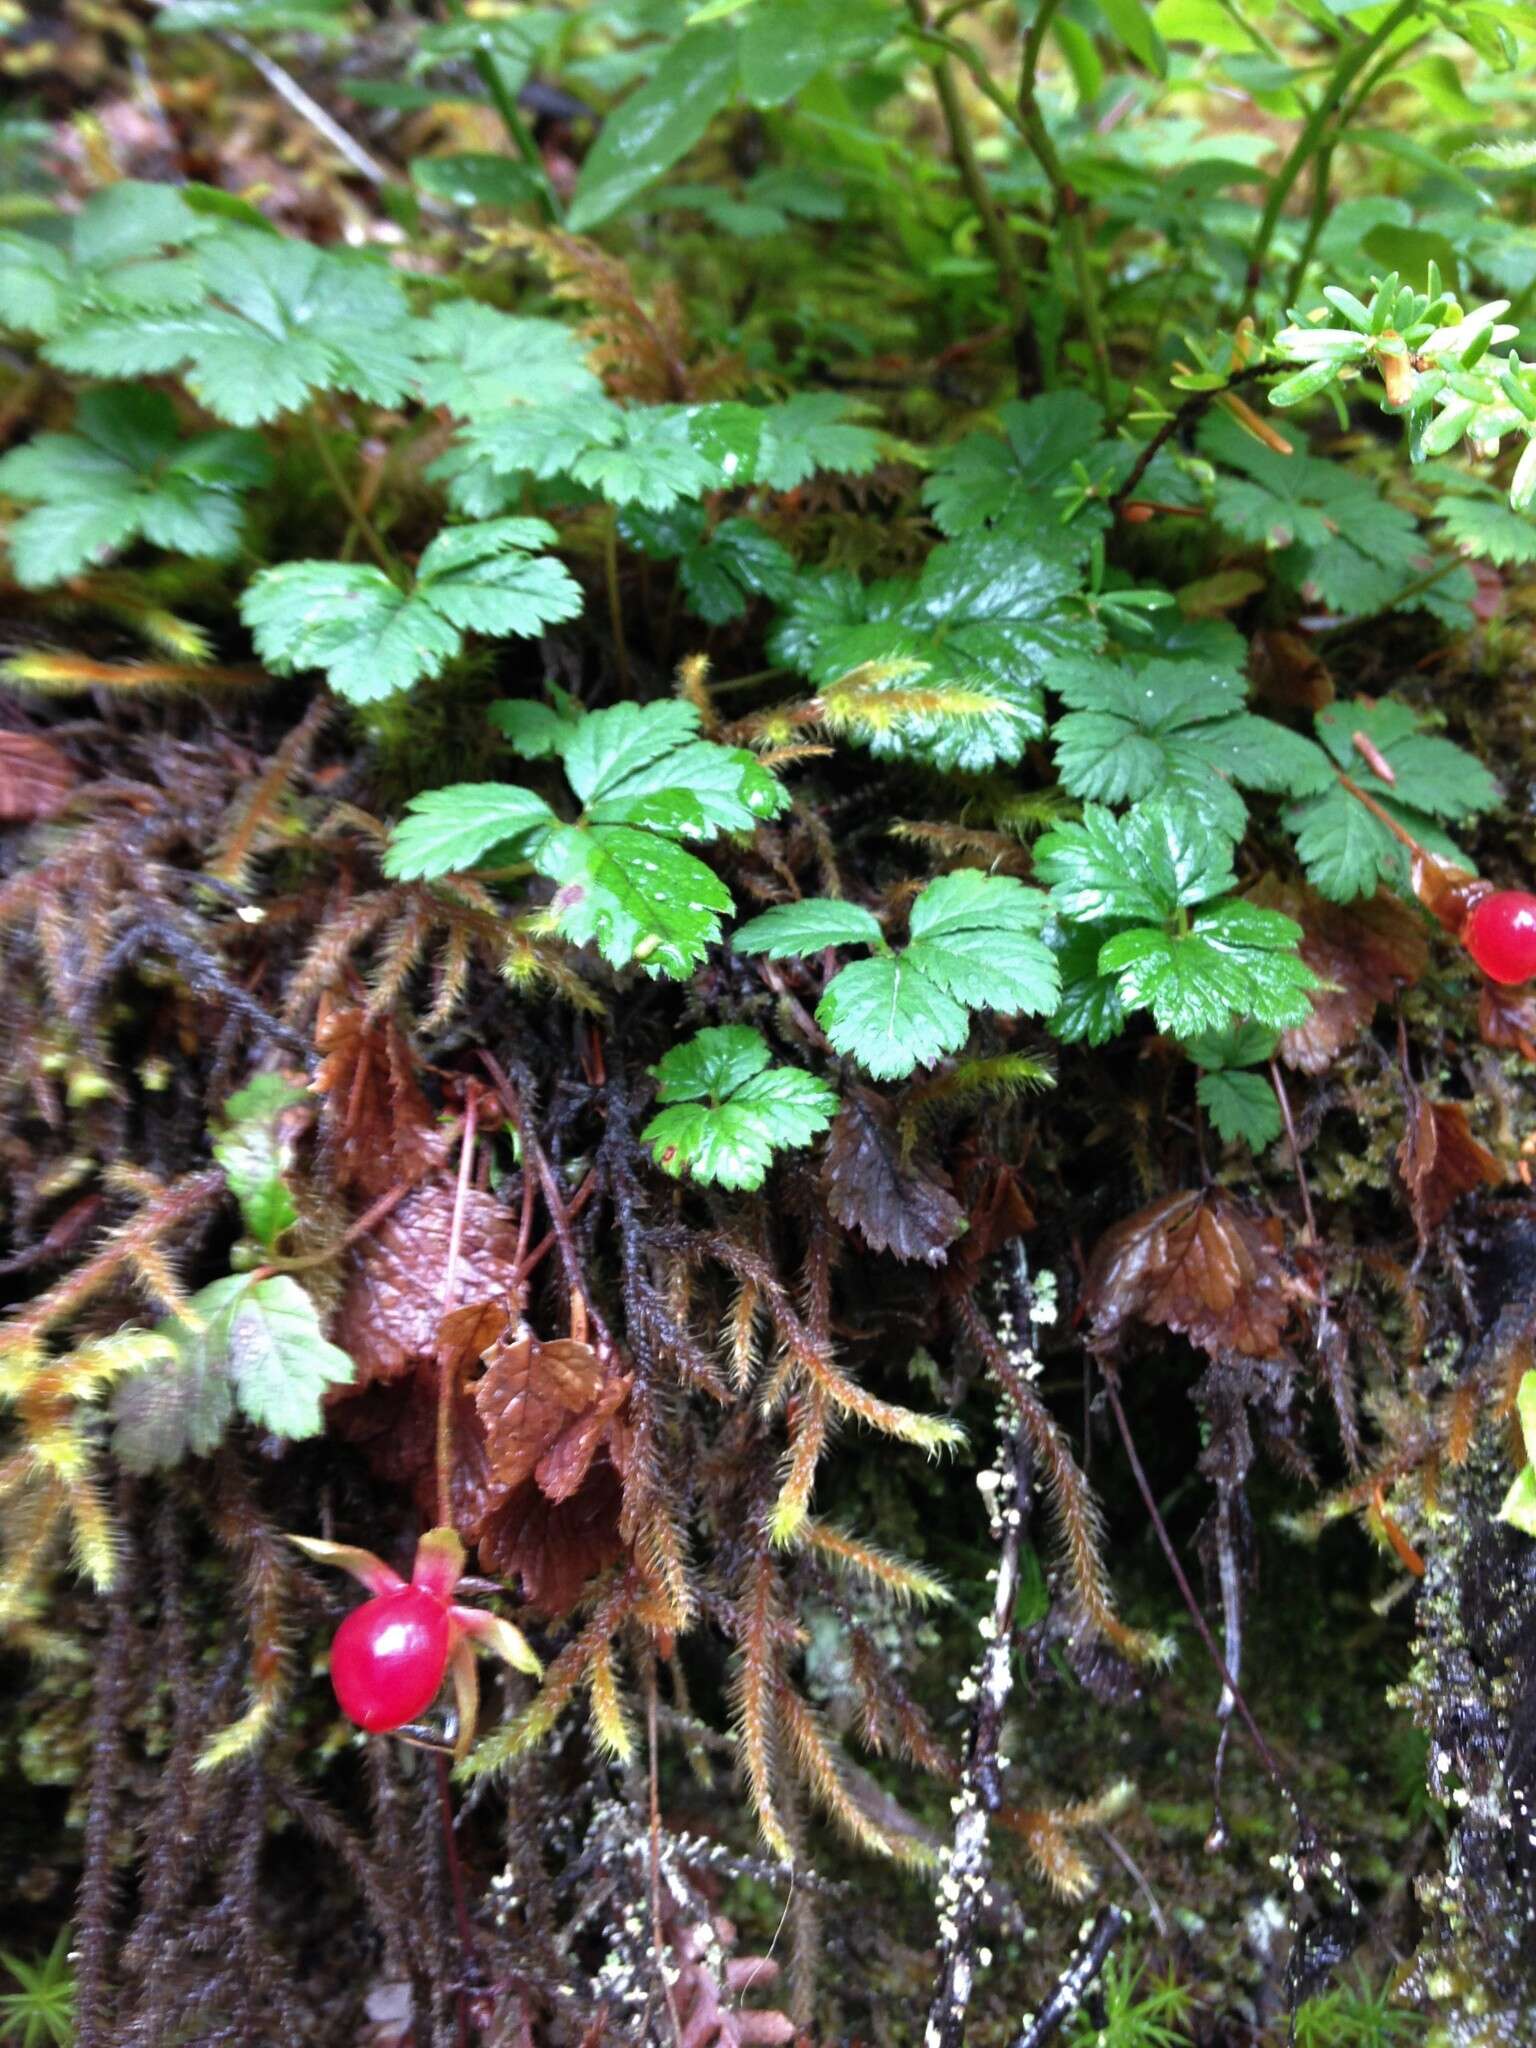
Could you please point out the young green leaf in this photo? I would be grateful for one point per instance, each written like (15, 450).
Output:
(256, 1153)
(125, 475)
(645, 780)
(373, 638)
(729, 1111)
(973, 945)
(1235, 958)
(988, 479)
(475, 361)
(721, 568)
(1242, 1107)
(275, 321)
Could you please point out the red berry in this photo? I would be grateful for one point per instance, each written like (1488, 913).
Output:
(1500, 934)
(388, 1658)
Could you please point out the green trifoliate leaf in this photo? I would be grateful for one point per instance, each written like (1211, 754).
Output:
(124, 256)
(256, 1153)
(125, 475)
(1242, 1107)
(275, 321)
(651, 462)
(644, 779)
(809, 433)
(1487, 529)
(988, 480)
(988, 620)
(476, 361)
(974, 945)
(1139, 730)
(1158, 858)
(1090, 1011)
(373, 638)
(1236, 958)
(539, 732)
(729, 1111)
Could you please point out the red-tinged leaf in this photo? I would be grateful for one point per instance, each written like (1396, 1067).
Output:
(530, 1395)
(1195, 1263)
(1440, 1160)
(556, 1547)
(377, 1124)
(998, 1214)
(392, 1307)
(1365, 953)
(564, 1466)
(898, 1205)
(1506, 1019)
(36, 778)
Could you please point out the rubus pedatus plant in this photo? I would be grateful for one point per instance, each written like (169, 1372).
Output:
(780, 623)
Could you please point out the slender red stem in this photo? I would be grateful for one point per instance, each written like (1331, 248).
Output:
(446, 1367)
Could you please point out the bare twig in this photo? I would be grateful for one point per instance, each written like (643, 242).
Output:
(287, 87)
(1073, 1985)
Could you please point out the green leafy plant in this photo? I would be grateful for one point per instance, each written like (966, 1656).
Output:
(728, 1110)
(972, 944)
(43, 2009)
(645, 781)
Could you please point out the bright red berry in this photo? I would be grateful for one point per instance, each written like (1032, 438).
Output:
(1500, 934)
(389, 1656)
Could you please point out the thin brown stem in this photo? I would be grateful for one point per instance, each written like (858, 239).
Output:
(447, 1368)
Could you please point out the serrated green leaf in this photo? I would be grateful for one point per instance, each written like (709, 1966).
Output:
(729, 1112)
(720, 568)
(1241, 1106)
(890, 1017)
(1236, 959)
(1090, 1011)
(976, 936)
(634, 895)
(116, 261)
(446, 831)
(987, 480)
(373, 638)
(791, 930)
(539, 732)
(475, 361)
(274, 321)
(1488, 530)
(1519, 1505)
(810, 432)
(125, 475)
(651, 461)
(1428, 773)
(1161, 856)
(276, 1354)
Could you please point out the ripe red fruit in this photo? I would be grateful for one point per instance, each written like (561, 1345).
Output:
(389, 1657)
(1500, 934)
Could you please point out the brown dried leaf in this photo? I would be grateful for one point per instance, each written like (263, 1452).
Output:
(1439, 1160)
(1288, 673)
(902, 1206)
(395, 1427)
(36, 778)
(555, 1547)
(546, 1408)
(1193, 1262)
(392, 1308)
(378, 1124)
(998, 1214)
(1506, 1019)
(1365, 952)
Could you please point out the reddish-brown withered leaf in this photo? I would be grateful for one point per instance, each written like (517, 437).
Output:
(1506, 1018)
(1364, 952)
(1439, 1160)
(393, 1303)
(395, 1427)
(36, 779)
(897, 1205)
(1193, 1262)
(546, 1408)
(377, 1124)
(555, 1547)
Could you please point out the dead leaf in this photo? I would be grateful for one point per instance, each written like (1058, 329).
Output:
(1506, 1019)
(1440, 1160)
(1365, 952)
(395, 1428)
(1195, 1263)
(379, 1126)
(1288, 673)
(393, 1304)
(36, 778)
(900, 1205)
(998, 1213)
(556, 1547)
(546, 1408)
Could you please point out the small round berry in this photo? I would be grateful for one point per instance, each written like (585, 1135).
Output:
(1500, 934)
(388, 1658)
